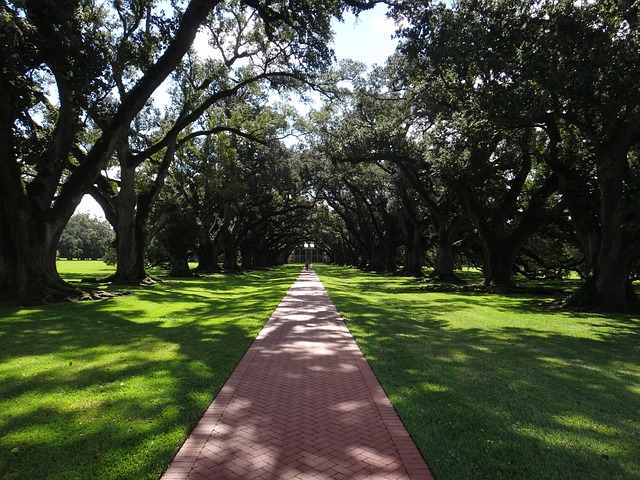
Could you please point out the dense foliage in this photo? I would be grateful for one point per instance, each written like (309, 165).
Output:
(77, 80)
(511, 128)
(85, 237)
(502, 134)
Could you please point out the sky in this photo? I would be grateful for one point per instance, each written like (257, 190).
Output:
(367, 38)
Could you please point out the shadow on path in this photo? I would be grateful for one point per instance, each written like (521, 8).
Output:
(303, 403)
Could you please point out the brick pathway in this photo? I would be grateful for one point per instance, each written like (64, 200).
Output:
(303, 403)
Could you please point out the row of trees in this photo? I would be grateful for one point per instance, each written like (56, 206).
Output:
(503, 132)
(76, 85)
(507, 129)
(233, 199)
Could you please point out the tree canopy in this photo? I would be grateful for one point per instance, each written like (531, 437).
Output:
(501, 133)
(74, 78)
(85, 237)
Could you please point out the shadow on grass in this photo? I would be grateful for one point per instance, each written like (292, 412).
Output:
(555, 400)
(109, 390)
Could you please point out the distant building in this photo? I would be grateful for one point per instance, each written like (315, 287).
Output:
(308, 252)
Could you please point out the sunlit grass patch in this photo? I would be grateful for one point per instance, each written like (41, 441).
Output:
(109, 389)
(494, 386)
(76, 270)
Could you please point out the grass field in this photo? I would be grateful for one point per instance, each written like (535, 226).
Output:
(489, 386)
(76, 270)
(494, 386)
(109, 389)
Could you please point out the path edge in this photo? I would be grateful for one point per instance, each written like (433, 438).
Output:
(414, 462)
(187, 455)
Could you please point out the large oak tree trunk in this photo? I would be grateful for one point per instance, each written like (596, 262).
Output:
(29, 233)
(499, 262)
(413, 238)
(445, 256)
(28, 273)
(228, 242)
(132, 227)
(248, 257)
(612, 286)
(609, 288)
(207, 252)
(377, 261)
(608, 291)
(229, 251)
(130, 249)
(230, 263)
(414, 253)
(445, 262)
(445, 221)
(130, 236)
(179, 265)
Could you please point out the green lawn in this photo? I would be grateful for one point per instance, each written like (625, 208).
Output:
(109, 389)
(493, 386)
(489, 386)
(76, 270)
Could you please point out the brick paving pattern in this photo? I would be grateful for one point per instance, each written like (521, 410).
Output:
(303, 403)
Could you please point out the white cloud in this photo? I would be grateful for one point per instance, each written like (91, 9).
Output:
(383, 26)
(202, 47)
(90, 206)
(366, 38)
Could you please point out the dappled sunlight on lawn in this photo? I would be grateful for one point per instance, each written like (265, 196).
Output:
(110, 388)
(495, 386)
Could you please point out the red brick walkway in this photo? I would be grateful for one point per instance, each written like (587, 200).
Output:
(303, 403)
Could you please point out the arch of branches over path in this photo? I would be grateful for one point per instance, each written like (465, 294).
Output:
(441, 156)
(76, 77)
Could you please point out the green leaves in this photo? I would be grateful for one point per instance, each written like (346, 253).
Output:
(85, 237)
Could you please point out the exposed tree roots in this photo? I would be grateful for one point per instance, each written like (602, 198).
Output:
(462, 286)
(64, 292)
(147, 280)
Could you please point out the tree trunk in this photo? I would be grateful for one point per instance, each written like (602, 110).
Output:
(413, 240)
(179, 265)
(207, 252)
(227, 241)
(612, 287)
(390, 251)
(501, 241)
(248, 258)
(132, 215)
(445, 256)
(499, 262)
(414, 253)
(229, 251)
(28, 237)
(261, 258)
(609, 289)
(445, 261)
(230, 263)
(129, 248)
(377, 262)
(28, 273)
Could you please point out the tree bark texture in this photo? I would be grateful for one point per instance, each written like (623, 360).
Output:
(610, 289)
(179, 265)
